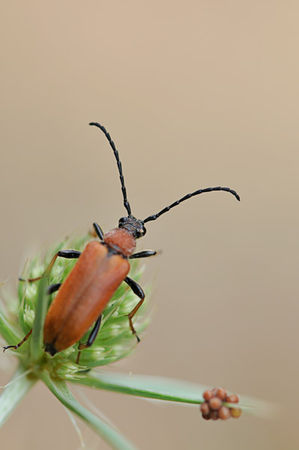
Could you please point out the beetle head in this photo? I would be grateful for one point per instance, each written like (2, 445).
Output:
(134, 226)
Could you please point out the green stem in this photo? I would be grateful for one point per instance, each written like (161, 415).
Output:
(13, 393)
(109, 434)
(167, 389)
(145, 386)
(36, 343)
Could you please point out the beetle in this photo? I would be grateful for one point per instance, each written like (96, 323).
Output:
(101, 268)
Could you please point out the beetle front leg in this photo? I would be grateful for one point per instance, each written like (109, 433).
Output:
(137, 289)
(91, 337)
(68, 254)
(99, 231)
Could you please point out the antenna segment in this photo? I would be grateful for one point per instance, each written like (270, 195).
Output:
(119, 166)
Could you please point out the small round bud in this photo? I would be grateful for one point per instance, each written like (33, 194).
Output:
(215, 403)
(204, 408)
(207, 395)
(233, 398)
(224, 413)
(235, 412)
(221, 393)
(214, 415)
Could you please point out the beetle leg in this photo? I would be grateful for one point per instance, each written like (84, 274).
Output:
(53, 288)
(68, 254)
(137, 289)
(19, 344)
(93, 334)
(91, 337)
(98, 231)
(144, 254)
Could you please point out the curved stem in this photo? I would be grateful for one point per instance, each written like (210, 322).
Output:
(109, 434)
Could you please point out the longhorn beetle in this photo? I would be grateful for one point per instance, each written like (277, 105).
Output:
(101, 268)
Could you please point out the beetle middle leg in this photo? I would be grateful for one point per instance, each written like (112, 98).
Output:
(137, 289)
(68, 254)
(91, 337)
(143, 254)
(15, 347)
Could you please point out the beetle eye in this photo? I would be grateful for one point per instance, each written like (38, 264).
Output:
(122, 220)
(141, 231)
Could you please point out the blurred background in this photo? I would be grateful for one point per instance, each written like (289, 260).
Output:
(195, 94)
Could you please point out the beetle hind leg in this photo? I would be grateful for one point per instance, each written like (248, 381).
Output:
(91, 338)
(137, 289)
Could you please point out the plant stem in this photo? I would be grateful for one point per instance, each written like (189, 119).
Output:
(109, 434)
(36, 343)
(159, 388)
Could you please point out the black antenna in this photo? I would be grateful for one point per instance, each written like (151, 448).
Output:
(121, 176)
(199, 191)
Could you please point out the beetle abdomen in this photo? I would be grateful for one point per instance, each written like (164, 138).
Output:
(83, 296)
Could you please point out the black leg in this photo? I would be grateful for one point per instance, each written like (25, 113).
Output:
(98, 230)
(144, 254)
(91, 337)
(19, 344)
(68, 254)
(53, 288)
(137, 289)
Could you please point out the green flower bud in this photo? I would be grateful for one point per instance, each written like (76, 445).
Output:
(114, 340)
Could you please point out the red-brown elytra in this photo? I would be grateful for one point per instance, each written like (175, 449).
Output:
(101, 268)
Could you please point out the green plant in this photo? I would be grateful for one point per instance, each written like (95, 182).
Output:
(115, 341)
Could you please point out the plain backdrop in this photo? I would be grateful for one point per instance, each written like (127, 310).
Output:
(195, 94)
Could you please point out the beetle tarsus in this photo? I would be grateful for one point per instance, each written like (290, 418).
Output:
(134, 332)
(6, 347)
(15, 347)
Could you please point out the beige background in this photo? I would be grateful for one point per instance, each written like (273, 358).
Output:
(195, 94)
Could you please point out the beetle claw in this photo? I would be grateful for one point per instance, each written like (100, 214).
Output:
(6, 347)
